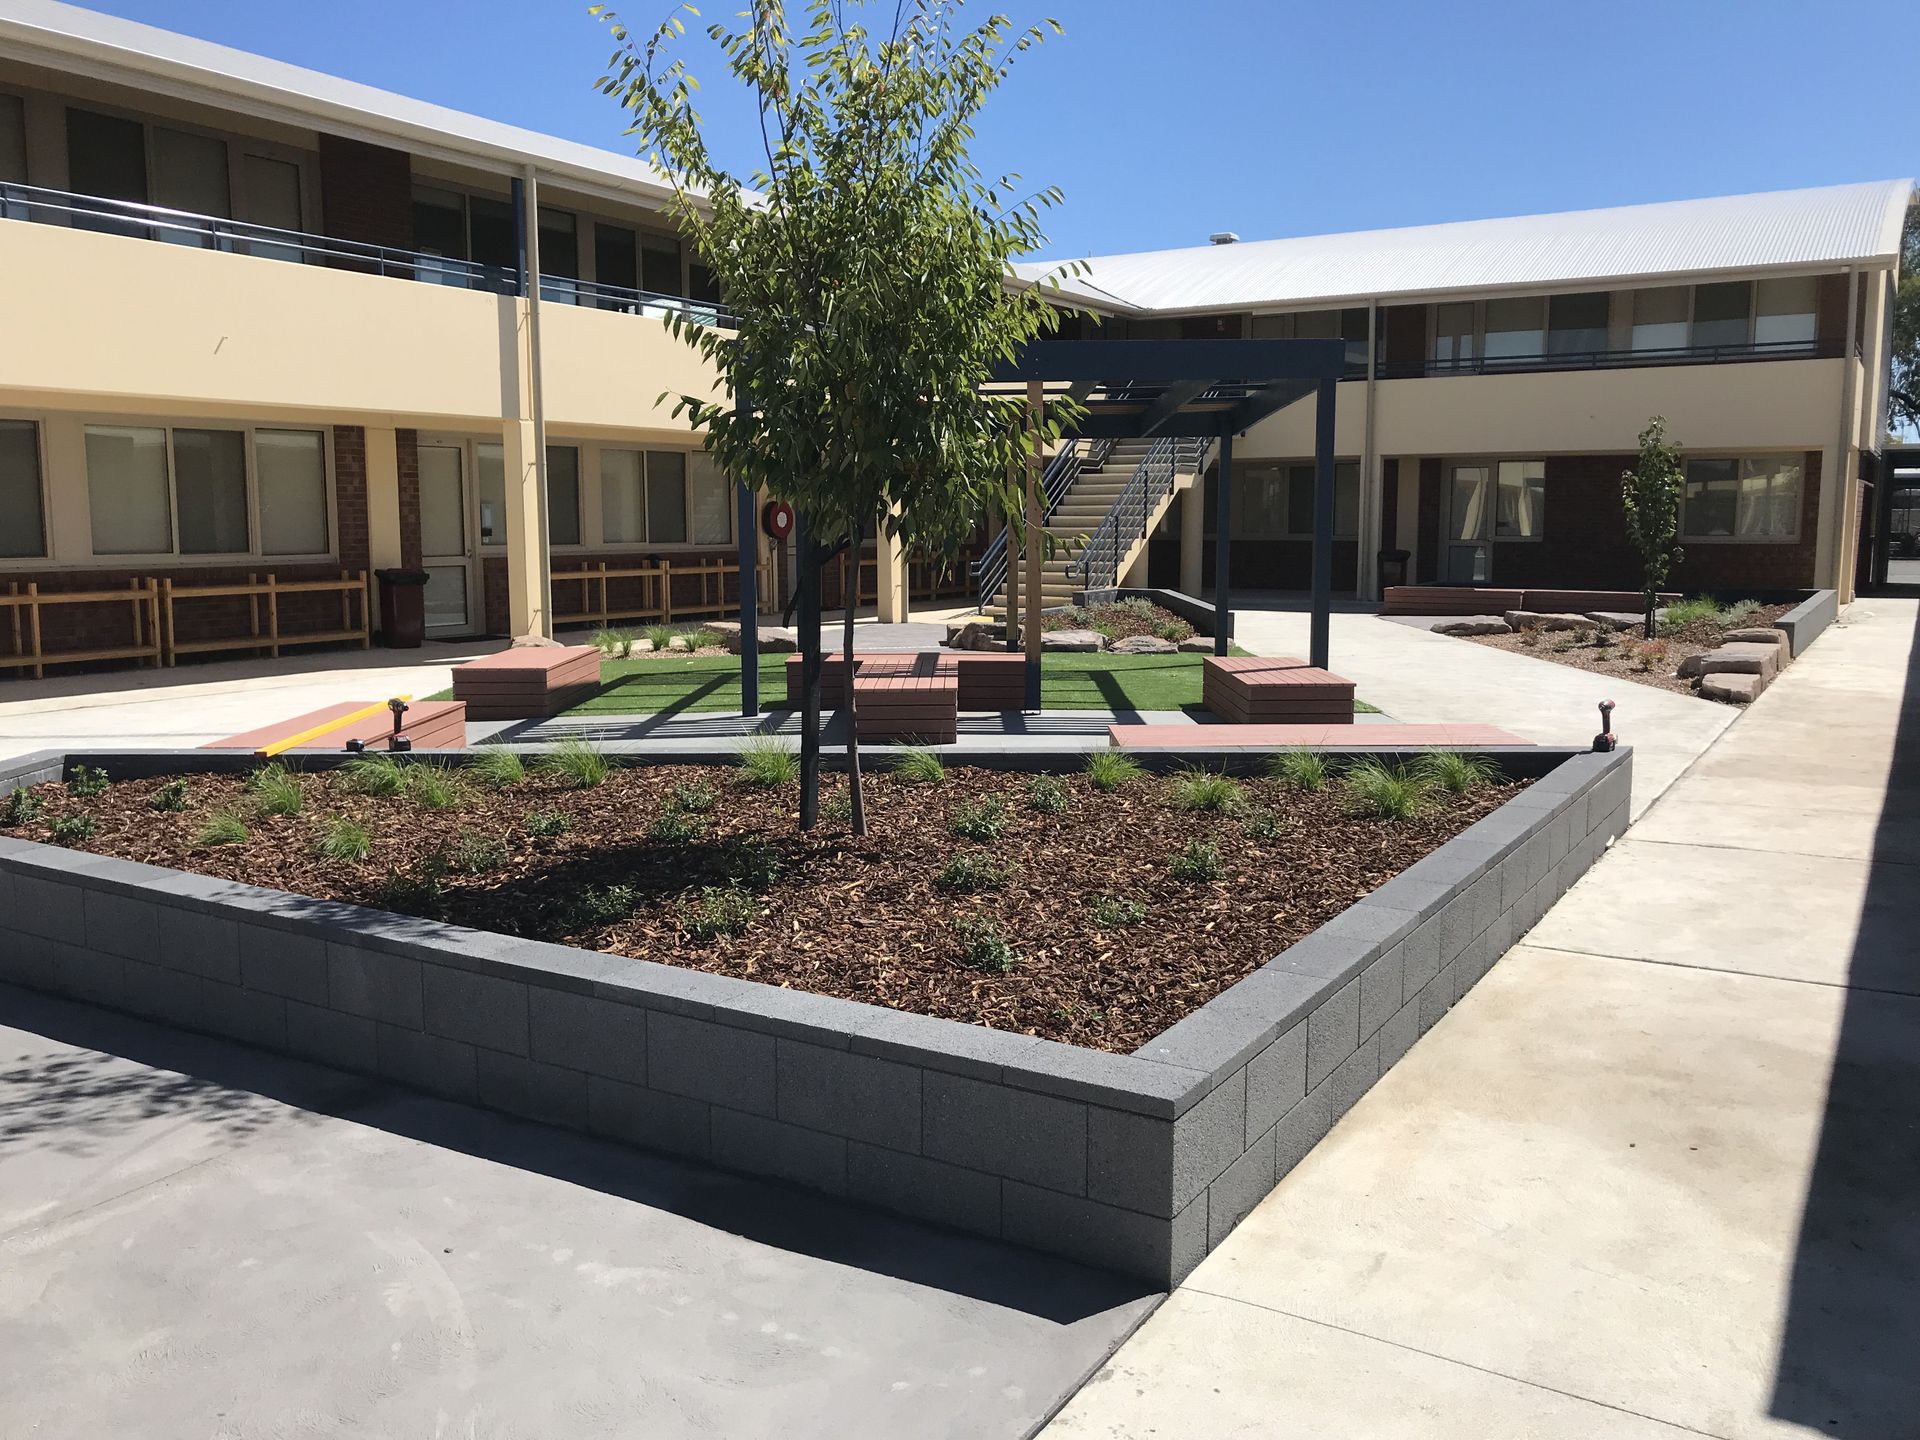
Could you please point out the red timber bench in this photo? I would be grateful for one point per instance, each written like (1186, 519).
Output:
(988, 680)
(898, 695)
(1274, 690)
(527, 682)
(429, 725)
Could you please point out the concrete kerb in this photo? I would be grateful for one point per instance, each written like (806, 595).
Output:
(1140, 1163)
(1806, 622)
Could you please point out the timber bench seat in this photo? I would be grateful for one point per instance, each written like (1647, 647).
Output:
(529, 682)
(1274, 690)
(988, 680)
(920, 708)
(1318, 737)
(430, 725)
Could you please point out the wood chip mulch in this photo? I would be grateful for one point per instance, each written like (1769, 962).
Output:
(864, 919)
(1625, 654)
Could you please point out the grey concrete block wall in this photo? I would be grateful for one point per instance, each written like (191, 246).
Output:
(1140, 1163)
(1807, 620)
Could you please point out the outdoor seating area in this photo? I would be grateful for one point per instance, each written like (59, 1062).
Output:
(1275, 690)
(528, 681)
(372, 725)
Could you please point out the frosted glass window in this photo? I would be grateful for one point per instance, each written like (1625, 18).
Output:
(127, 490)
(1346, 500)
(1520, 503)
(1453, 338)
(443, 501)
(712, 502)
(563, 495)
(292, 481)
(22, 527)
(1722, 314)
(1516, 327)
(490, 461)
(1660, 318)
(1577, 324)
(210, 491)
(623, 497)
(189, 173)
(1755, 498)
(666, 496)
(1784, 311)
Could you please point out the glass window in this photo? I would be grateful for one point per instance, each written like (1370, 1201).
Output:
(443, 503)
(1577, 324)
(559, 256)
(1783, 311)
(189, 173)
(1265, 327)
(623, 497)
(1520, 503)
(1660, 318)
(1516, 327)
(660, 265)
(440, 228)
(291, 468)
(712, 500)
(491, 242)
(106, 156)
(563, 495)
(270, 191)
(1756, 498)
(210, 491)
(616, 259)
(22, 527)
(1260, 501)
(1722, 313)
(127, 490)
(1346, 499)
(490, 462)
(1453, 340)
(666, 496)
(13, 140)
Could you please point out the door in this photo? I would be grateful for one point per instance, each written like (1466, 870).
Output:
(446, 540)
(1470, 502)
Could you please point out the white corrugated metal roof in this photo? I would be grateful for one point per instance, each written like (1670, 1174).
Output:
(68, 37)
(1832, 225)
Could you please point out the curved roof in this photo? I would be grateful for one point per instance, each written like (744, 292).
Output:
(1782, 229)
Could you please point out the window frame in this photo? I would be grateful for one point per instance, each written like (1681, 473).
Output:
(45, 491)
(593, 539)
(1799, 457)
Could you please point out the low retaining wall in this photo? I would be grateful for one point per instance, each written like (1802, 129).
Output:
(1140, 1163)
(1806, 622)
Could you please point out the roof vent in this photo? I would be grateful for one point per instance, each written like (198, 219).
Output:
(1223, 237)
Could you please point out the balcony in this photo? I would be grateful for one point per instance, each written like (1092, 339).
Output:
(1613, 359)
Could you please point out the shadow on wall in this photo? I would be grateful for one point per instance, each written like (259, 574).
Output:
(1849, 1362)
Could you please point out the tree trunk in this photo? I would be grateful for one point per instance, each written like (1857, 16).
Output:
(850, 594)
(1653, 628)
(810, 680)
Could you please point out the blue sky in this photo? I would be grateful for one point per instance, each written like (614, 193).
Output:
(1163, 120)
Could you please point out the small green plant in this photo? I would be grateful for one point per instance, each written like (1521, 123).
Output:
(87, 783)
(703, 640)
(983, 947)
(1204, 790)
(170, 797)
(918, 767)
(72, 827)
(1139, 607)
(768, 763)
(497, 768)
(659, 635)
(672, 827)
(694, 799)
(1258, 822)
(1108, 770)
(222, 829)
(476, 854)
(275, 790)
(838, 805)
(1682, 613)
(378, 774)
(1302, 769)
(982, 819)
(719, 910)
(596, 907)
(1386, 792)
(347, 841)
(1173, 631)
(751, 864)
(1650, 655)
(969, 873)
(1047, 795)
(579, 764)
(614, 644)
(1112, 912)
(1453, 772)
(1196, 861)
(421, 888)
(432, 785)
(548, 822)
(1737, 612)
(22, 807)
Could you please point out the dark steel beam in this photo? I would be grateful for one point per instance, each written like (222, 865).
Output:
(1170, 403)
(1270, 400)
(1162, 361)
(1223, 550)
(1322, 618)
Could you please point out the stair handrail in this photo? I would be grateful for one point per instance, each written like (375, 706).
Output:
(1097, 567)
(990, 570)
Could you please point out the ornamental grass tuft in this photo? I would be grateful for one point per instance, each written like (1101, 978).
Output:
(1108, 770)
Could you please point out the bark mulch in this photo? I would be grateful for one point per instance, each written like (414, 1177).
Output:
(1627, 654)
(866, 919)
(1122, 620)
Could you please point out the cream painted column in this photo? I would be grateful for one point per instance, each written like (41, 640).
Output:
(890, 583)
(383, 497)
(1193, 536)
(1831, 568)
(527, 612)
(1136, 576)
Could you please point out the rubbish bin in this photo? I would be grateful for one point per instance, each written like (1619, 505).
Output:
(1393, 566)
(403, 608)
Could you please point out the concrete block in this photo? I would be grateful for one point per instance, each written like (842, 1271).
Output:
(1157, 1166)
(479, 1009)
(1355, 1076)
(426, 1062)
(1382, 987)
(1333, 1032)
(756, 1145)
(244, 1015)
(48, 909)
(1420, 954)
(1486, 897)
(530, 1089)
(1399, 1033)
(925, 1189)
(344, 1041)
(1437, 997)
(1329, 955)
(386, 988)
(860, 1097)
(650, 1119)
(583, 1032)
(1276, 1079)
(282, 963)
(706, 1061)
(80, 973)
(1150, 1249)
(936, 1044)
(1241, 1186)
(1299, 1130)
(199, 943)
(1041, 1139)
(120, 925)
(162, 994)
(1225, 1034)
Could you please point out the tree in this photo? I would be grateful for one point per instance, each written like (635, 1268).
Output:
(1651, 494)
(868, 265)
(1903, 405)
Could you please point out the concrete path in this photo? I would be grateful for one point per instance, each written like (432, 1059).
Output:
(1420, 677)
(200, 1240)
(1656, 1175)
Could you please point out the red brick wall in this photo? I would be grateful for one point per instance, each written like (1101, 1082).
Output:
(350, 494)
(407, 449)
(366, 193)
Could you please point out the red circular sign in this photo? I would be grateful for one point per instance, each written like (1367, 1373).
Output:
(776, 518)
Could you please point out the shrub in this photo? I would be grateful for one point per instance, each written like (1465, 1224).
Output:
(1196, 861)
(22, 806)
(704, 640)
(497, 768)
(751, 864)
(72, 827)
(548, 822)
(378, 774)
(222, 829)
(670, 827)
(275, 790)
(719, 910)
(1047, 795)
(345, 840)
(694, 799)
(1453, 772)
(968, 873)
(418, 889)
(434, 786)
(595, 907)
(1173, 631)
(768, 763)
(171, 796)
(918, 767)
(1257, 822)
(615, 644)
(87, 783)
(1302, 769)
(1139, 607)
(982, 946)
(1650, 655)
(1202, 790)
(1387, 792)
(1111, 912)
(1736, 613)
(476, 854)
(659, 635)
(982, 819)
(838, 805)
(578, 764)
(1108, 770)
(1682, 613)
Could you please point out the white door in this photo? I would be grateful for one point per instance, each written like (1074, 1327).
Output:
(446, 540)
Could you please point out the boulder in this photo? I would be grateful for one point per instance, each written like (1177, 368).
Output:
(1144, 645)
(1689, 668)
(1740, 659)
(1735, 688)
(976, 633)
(727, 630)
(1196, 645)
(779, 640)
(642, 646)
(1762, 635)
(1078, 641)
(679, 642)
(1546, 620)
(1474, 627)
(1620, 620)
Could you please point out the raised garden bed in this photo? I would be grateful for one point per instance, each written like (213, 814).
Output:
(1121, 620)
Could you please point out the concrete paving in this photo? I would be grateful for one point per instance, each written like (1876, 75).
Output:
(1654, 1176)
(200, 1240)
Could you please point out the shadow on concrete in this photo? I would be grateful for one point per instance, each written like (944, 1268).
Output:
(74, 1101)
(1849, 1361)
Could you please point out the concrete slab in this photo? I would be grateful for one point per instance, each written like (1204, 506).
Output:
(197, 1239)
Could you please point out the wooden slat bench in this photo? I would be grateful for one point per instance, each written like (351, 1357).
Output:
(430, 725)
(833, 674)
(529, 682)
(1330, 737)
(1274, 690)
(920, 708)
(990, 681)
(1449, 600)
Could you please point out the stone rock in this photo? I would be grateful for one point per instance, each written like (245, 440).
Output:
(1762, 635)
(1689, 668)
(1620, 620)
(1196, 645)
(1474, 627)
(1739, 659)
(679, 642)
(1144, 645)
(1545, 620)
(725, 629)
(975, 632)
(1737, 689)
(1078, 641)
(779, 640)
(643, 646)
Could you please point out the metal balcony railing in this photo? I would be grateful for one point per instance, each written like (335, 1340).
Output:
(990, 570)
(1615, 359)
(1097, 567)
